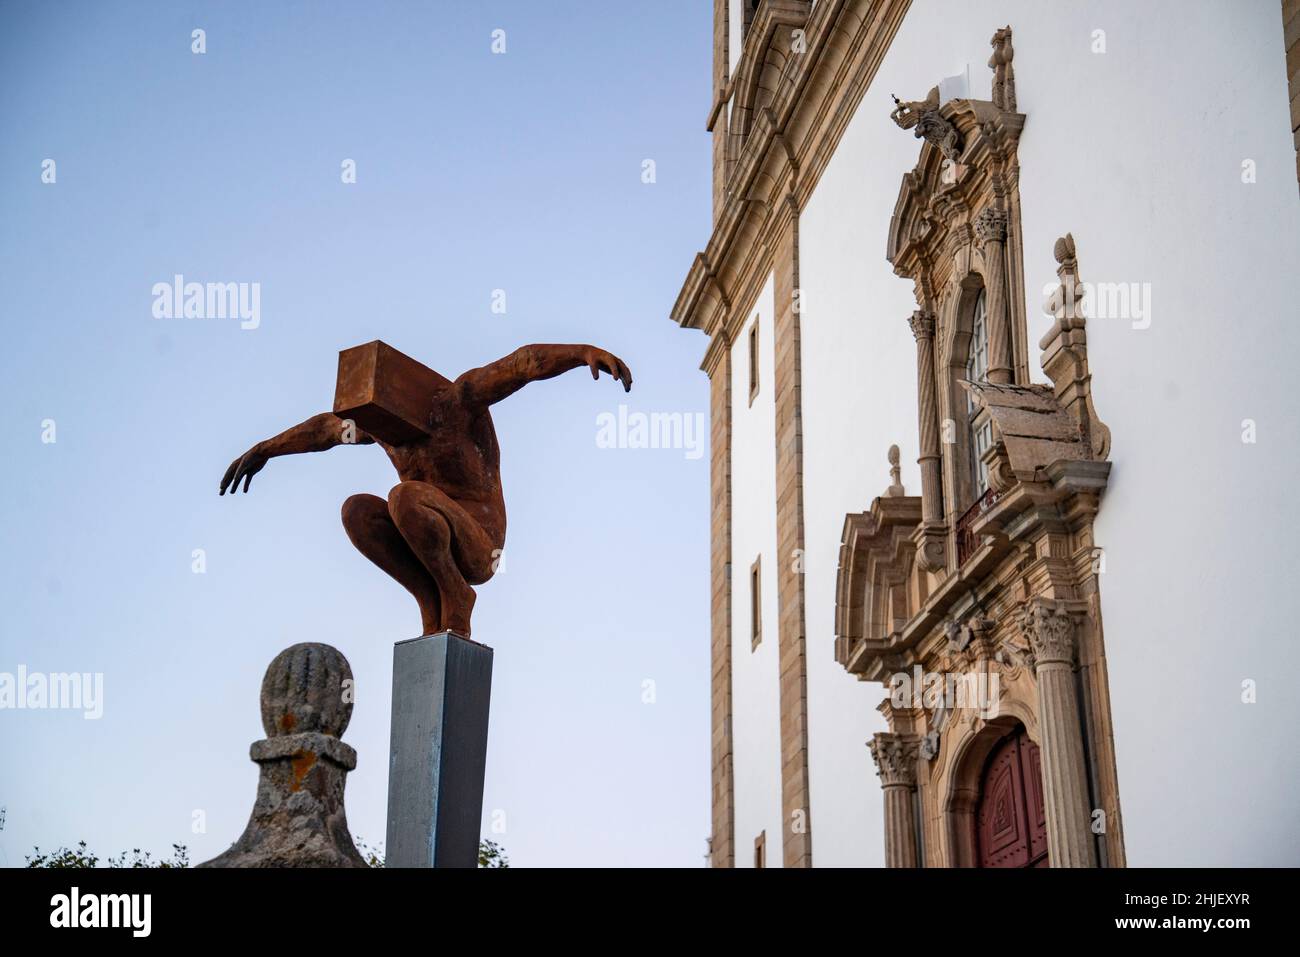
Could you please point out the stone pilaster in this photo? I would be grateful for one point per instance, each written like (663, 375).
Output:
(718, 125)
(991, 230)
(1050, 631)
(895, 757)
(718, 367)
(793, 688)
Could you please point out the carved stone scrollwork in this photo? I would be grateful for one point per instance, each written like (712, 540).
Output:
(958, 636)
(998, 463)
(931, 548)
(991, 226)
(895, 757)
(929, 747)
(1050, 631)
(922, 324)
(929, 124)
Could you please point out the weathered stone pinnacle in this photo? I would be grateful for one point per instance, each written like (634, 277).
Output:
(298, 818)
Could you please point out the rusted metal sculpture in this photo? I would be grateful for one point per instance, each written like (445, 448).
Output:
(442, 528)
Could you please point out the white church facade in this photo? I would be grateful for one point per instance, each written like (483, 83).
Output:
(1001, 340)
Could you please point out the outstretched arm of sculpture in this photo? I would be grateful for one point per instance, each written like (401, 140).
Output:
(496, 380)
(317, 434)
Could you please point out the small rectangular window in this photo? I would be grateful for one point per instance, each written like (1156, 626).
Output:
(753, 361)
(755, 603)
(760, 850)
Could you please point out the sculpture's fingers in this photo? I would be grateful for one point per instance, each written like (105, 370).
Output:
(625, 374)
(595, 368)
(240, 471)
(248, 480)
(225, 479)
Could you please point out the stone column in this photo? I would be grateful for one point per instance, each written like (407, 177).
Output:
(991, 229)
(1050, 631)
(895, 757)
(922, 324)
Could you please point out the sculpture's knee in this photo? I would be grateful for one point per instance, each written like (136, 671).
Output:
(359, 510)
(402, 500)
(409, 507)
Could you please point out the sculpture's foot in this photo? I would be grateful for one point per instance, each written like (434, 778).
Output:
(430, 621)
(457, 606)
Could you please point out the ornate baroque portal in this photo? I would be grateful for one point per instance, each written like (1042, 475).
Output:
(976, 602)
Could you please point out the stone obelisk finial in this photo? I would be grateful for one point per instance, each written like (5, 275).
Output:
(298, 819)
(895, 474)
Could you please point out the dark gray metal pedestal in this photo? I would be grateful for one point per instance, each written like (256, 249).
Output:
(437, 755)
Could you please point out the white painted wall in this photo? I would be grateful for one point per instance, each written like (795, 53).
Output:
(756, 731)
(735, 29)
(1197, 526)
(1138, 152)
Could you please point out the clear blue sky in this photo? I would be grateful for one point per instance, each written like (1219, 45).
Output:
(475, 172)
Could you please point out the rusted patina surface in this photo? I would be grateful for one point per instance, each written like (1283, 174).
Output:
(440, 531)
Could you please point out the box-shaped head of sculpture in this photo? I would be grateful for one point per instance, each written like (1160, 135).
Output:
(385, 392)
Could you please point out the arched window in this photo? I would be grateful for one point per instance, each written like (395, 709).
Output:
(979, 431)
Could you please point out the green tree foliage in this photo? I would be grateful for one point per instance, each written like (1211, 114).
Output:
(82, 856)
(490, 854)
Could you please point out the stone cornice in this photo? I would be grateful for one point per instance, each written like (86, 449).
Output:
(790, 142)
(715, 353)
(1014, 518)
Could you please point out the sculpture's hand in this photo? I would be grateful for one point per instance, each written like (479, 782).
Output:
(245, 467)
(598, 360)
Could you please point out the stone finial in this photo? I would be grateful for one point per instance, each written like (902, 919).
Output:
(298, 817)
(895, 474)
(1063, 252)
(1004, 76)
(1065, 348)
(307, 688)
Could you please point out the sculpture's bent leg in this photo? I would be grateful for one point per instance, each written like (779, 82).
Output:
(453, 547)
(371, 529)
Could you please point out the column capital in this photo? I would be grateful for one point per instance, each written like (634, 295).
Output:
(1050, 630)
(895, 757)
(922, 323)
(991, 226)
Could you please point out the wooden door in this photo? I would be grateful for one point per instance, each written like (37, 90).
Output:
(1010, 819)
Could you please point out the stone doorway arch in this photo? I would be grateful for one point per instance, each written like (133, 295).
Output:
(1010, 818)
